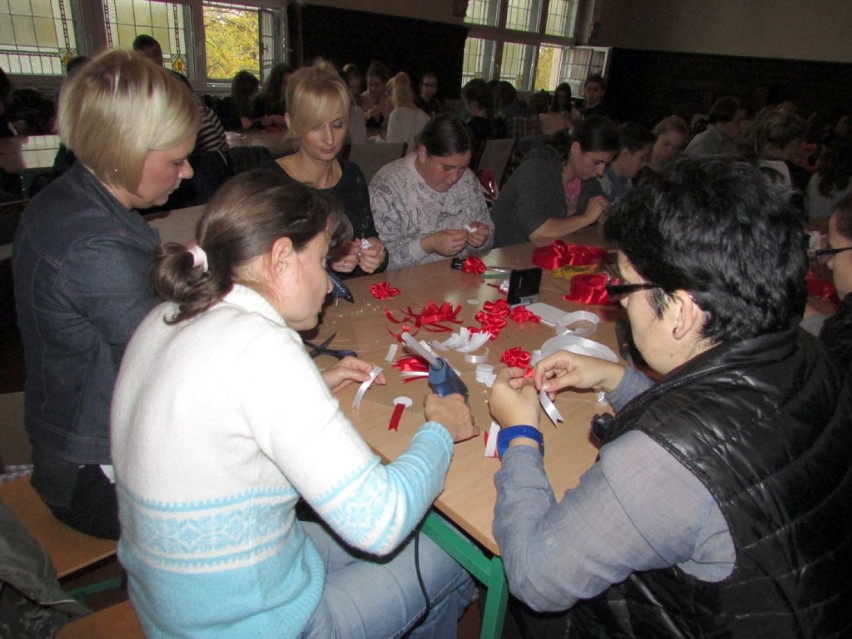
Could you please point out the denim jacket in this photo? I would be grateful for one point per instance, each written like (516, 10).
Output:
(81, 262)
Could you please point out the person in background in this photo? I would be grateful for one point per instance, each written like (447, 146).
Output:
(406, 120)
(484, 124)
(215, 447)
(429, 205)
(9, 127)
(354, 80)
(357, 133)
(833, 180)
(728, 119)
(211, 133)
(634, 148)
(836, 331)
(594, 92)
(271, 104)
(563, 104)
(718, 505)
(426, 100)
(236, 111)
(507, 103)
(672, 133)
(549, 121)
(318, 120)
(539, 202)
(81, 263)
(375, 102)
(775, 140)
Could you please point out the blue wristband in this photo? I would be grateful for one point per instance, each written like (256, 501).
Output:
(505, 435)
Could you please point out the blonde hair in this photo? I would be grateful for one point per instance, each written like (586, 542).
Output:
(313, 96)
(118, 107)
(399, 88)
(671, 123)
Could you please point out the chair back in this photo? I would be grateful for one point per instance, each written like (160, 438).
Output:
(495, 156)
(372, 156)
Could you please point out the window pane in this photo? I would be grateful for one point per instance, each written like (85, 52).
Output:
(36, 36)
(485, 12)
(547, 68)
(478, 59)
(578, 63)
(561, 15)
(164, 21)
(232, 37)
(523, 15)
(516, 64)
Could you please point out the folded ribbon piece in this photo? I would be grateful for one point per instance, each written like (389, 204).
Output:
(383, 290)
(473, 265)
(588, 289)
(560, 254)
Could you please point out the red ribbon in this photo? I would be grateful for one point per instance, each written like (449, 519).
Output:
(820, 288)
(473, 265)
(405, 329)
(516, 357)
(396, 416)
(500, 308)
(411, 364)
(383, 290)
(430, 316)
(588, 288)
(561, 254)
(522, 314)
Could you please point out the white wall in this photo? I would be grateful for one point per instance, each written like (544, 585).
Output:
(819, 30)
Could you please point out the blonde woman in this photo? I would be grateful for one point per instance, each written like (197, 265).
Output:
(318, 118)
(406, 120)
(81, 263)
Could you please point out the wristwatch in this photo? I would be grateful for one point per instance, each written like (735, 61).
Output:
(506, 435)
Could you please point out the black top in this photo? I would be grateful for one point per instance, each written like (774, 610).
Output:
(351, 191)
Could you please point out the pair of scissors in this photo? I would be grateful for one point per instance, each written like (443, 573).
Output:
(322, 348)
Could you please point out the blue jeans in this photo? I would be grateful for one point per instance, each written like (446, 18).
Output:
(377, 597)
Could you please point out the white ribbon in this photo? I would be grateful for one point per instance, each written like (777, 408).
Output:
(581, 346)
(485, 375)
(199, 257)
(365, 385)
(549, 408)
(392, 349)
(491, 443)
(564, 325)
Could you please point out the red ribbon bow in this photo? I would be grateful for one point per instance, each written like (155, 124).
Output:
(588, 289)
(473, 265)
(430, 316)
(560, 254)
(522, 314)
(383, 290)
(500, 308)
(411, 364)
(491, 317)
(517, 357)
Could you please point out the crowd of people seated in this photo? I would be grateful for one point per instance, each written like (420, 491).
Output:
(99, 338)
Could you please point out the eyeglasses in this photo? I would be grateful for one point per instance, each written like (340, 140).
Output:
(618, 289)
(824, 256)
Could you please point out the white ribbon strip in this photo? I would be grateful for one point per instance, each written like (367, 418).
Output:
(464, 341)
(392, 349)
(491, 443)
(365, 243)
(365, 385)
(477, 359)
(550, 408)
(579, 345)
(565, 325)
(485, 375)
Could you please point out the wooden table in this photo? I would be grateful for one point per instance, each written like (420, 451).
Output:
(27, 157)
(469, 495)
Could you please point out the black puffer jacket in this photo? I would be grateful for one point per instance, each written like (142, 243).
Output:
(766, 425)
(836, 334)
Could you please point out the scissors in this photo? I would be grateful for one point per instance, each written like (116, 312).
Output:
(322, 348)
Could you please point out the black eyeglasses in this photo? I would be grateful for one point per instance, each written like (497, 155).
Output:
(617, 289)
(825, 255)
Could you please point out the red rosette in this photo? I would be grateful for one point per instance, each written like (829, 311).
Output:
(473, 265)
(383, 290)
(561, 254)
(516, 357)
(588, 288)
(522, 314)
(550, 257)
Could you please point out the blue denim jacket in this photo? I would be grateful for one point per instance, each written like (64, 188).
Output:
(81, 263)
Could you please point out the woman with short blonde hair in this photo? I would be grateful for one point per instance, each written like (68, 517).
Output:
(81, 262)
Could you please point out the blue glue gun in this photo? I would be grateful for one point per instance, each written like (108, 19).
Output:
(442, 378)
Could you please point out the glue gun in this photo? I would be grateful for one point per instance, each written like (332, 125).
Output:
(442, 378)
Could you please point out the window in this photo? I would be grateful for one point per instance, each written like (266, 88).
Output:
(166, 22)
(36, 36)
(528, 43)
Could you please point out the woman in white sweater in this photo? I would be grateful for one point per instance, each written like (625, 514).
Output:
(221, 423)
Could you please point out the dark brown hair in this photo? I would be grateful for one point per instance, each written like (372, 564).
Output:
(243, 220)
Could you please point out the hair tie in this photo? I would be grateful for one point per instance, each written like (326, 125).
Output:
(199, 257)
